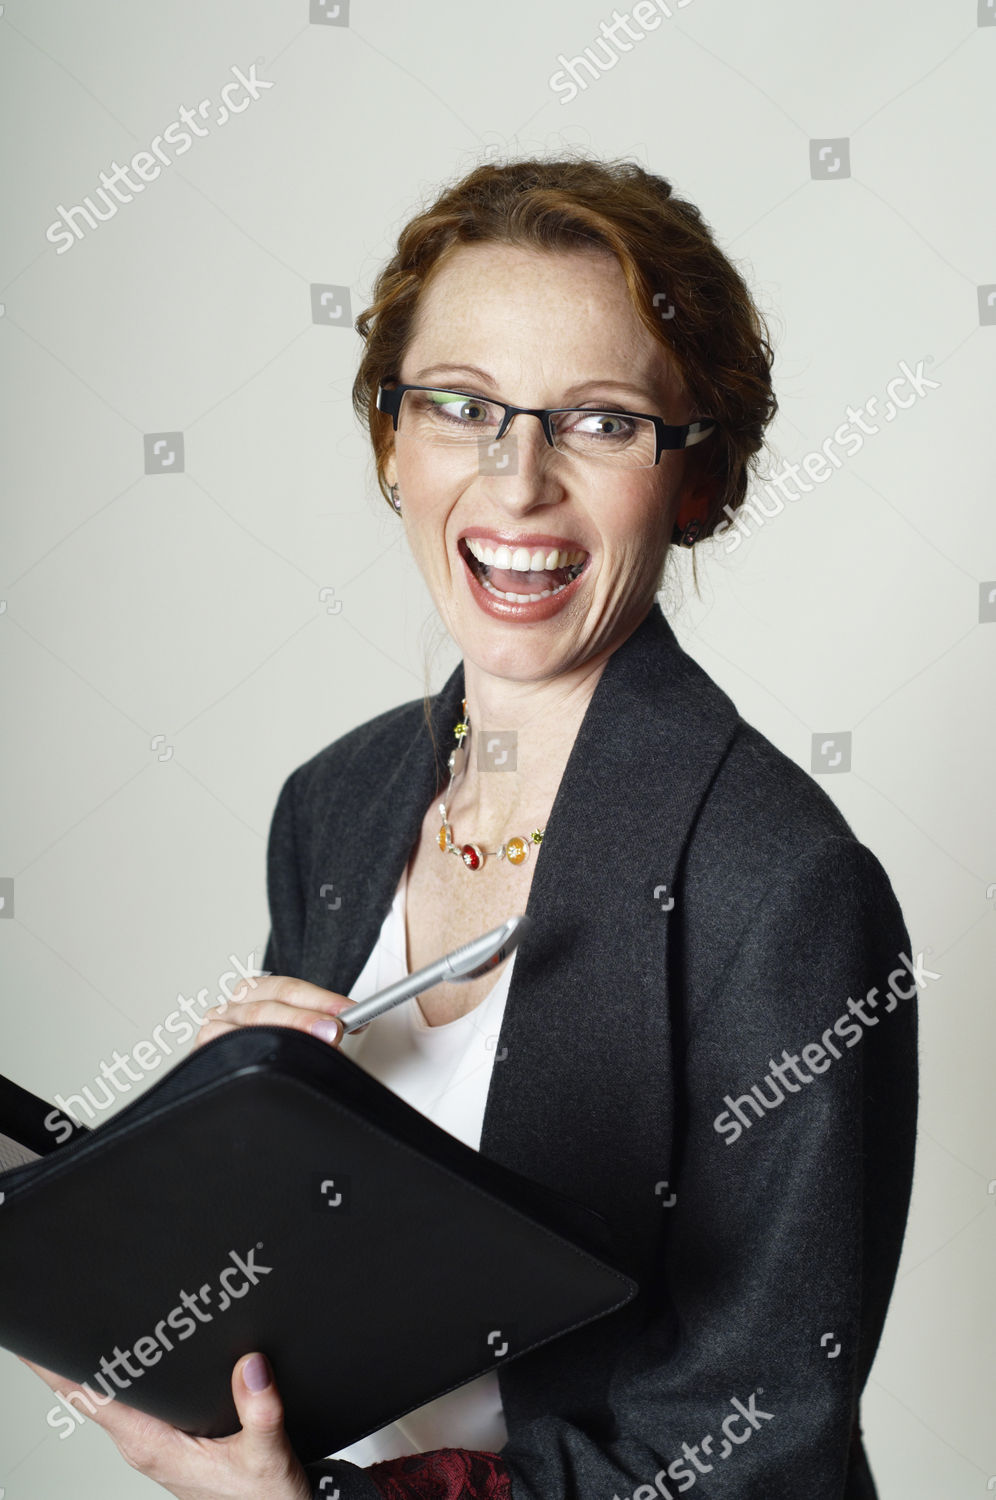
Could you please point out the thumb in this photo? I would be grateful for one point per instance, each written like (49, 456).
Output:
(261, 1412)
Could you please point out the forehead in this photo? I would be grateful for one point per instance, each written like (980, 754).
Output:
(536, 317)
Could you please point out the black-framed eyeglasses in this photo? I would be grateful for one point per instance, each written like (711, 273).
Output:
(457, 419)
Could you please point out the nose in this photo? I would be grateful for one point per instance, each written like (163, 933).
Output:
(523, 469)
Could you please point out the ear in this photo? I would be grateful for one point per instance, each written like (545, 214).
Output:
(696, 500)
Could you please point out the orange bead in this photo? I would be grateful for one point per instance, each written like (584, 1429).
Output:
(516, 850)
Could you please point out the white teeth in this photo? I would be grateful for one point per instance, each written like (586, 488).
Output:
(522, 560)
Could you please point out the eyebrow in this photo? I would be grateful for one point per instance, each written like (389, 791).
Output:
(640, 392)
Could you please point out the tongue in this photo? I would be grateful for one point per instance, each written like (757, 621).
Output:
(510, 582)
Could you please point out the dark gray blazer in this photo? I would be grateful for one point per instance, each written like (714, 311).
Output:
(701, 911)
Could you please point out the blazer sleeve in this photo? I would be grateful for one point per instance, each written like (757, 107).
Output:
(778, 1257)
(792, 1190)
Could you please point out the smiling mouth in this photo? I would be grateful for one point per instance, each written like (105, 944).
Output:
(519, 585)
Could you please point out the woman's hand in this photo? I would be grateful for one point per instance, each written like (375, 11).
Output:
(256, 1463)
(277, 1000)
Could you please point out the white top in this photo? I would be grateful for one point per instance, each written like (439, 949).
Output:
(444, 1072)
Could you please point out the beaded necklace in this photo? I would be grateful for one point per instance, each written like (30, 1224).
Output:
(515, 850)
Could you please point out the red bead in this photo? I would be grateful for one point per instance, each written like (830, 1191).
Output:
(471, 856)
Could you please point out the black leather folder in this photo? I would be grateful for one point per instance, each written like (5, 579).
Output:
(267, 1193)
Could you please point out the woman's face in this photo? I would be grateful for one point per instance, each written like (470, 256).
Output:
(542, 330)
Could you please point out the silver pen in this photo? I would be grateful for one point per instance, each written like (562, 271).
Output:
(466, 962)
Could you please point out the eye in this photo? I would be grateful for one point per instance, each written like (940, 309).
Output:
(604, 420)
(599, 423)
(470, 410)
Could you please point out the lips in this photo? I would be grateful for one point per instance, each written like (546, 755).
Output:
(532, 598)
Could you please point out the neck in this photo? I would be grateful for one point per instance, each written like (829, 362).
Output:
(530, 726)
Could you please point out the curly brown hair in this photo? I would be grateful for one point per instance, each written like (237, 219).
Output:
(717, 338)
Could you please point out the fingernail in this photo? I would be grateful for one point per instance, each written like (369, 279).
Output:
(326, 1030)
(256, 1373)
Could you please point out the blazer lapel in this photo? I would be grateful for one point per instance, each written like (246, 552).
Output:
(587, 1029)
(377, 809)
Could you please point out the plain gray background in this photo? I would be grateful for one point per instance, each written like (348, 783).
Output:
(175, 643)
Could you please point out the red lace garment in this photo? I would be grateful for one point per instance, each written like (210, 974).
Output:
(443, 1474)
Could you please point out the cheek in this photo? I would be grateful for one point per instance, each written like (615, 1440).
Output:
(425, 524)
(640, 521)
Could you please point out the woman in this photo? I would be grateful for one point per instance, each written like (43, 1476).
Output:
(677, 1040)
